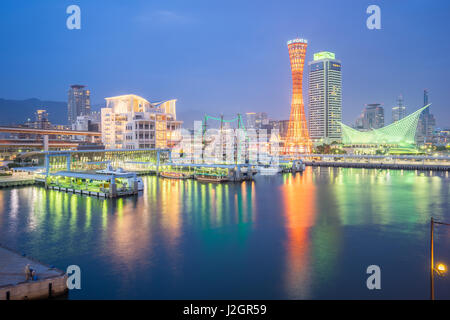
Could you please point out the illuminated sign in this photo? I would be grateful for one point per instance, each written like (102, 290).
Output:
(297, 41)
(335, 66)
(324, 55)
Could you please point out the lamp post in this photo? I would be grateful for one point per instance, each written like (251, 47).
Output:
(440, 268)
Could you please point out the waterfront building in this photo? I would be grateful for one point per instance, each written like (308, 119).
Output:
(399, 133)
(297, 138)
(132, 122)
(399, 111)
(78, 103)
(442, 137)
(325, 98)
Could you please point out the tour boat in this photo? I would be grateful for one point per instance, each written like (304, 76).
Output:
(269, 170)
(210, 178)
(173, 175)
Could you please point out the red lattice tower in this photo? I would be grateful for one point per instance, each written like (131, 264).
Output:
(297, 138)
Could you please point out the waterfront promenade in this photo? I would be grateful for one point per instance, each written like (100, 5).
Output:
(380, 165)
(395, 162)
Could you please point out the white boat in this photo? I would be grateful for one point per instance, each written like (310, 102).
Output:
(110, 170)
(269, 170)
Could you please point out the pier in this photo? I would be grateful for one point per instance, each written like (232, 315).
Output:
(94, 184)
(16, 179)
(395, 162)
(380, 165)
(50, 282)
(6, 183)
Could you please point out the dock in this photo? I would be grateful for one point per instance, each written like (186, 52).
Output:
(50, 282)
(378, 165)
(94, 184)
(16, 181)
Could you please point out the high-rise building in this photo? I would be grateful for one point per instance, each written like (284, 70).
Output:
(78, 103)
(256, 120)
(261, 119)
(399, 111)
(280, 125)
(427, 122)
(132, 122)
(425, 101)
(41, 119)
(325, 98)
(297, 139)
(251, 119)
(373, 116)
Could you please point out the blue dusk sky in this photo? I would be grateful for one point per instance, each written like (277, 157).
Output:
(226, 56)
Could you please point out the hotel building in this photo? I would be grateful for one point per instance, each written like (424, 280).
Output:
(132, 122)
(325, 98)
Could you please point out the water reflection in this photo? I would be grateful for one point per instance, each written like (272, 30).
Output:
(300, 212)
(153, 244)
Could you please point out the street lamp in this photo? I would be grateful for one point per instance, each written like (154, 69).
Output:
(440, 268)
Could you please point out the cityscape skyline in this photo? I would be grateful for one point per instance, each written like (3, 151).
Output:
(243, 150)
(367, 77)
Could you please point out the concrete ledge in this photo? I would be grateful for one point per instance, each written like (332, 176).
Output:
(51, 282)
(40, 289)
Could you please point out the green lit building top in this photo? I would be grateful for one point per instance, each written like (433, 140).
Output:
(324, 55)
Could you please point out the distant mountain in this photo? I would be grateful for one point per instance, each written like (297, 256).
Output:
(14, 112)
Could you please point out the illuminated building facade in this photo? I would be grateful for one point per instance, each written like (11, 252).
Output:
(325, 98)
(297, 138)
(78, 103)
(399, 133)
(42, 121)
(131, 122)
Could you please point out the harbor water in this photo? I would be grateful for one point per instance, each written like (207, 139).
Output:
(307, 235)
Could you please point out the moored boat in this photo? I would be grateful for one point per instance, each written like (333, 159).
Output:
(210, 178)
(173, 175)
(269, 170)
